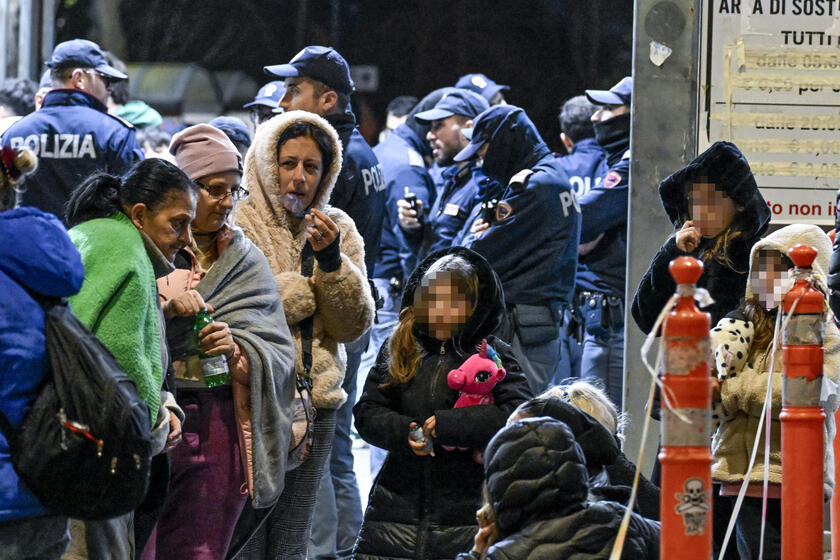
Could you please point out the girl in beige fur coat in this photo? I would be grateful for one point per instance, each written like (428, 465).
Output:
(317, 257)
(742, 343)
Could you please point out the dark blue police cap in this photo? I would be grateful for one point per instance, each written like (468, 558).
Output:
(480, 84)
(483, 128)
(619, 94)
(84, 54)
(323, 64)
(456, 102)
(269, 95)
(234, 129)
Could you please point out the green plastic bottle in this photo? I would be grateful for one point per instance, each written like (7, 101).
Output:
(215, 368)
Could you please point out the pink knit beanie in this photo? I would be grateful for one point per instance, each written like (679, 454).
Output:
(203, 150)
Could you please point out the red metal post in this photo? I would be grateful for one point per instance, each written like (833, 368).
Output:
(802, 417)
(686, 458)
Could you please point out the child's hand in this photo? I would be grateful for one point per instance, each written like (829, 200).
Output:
(429, 427)
(485, 537)
(420, 448)
(688, 238)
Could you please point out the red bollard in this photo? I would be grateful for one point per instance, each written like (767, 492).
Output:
(686, 458)
(802, 416)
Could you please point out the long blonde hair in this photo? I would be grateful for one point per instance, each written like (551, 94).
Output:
(405, 350)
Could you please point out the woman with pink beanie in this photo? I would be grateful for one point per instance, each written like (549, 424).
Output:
(236, 434)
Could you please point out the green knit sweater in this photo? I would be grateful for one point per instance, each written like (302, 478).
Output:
(118, 300)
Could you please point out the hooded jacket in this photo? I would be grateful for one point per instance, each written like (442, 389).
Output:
(73, 136)
(536, 477)
(339, 301)
(724, 165)
(743, 384)
(533, 247)
(424, 507)
(36, 255)
(602, 453)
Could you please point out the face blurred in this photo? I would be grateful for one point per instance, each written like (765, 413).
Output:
(301, 96)
(300, 171)
(606, 112)
(212, 211)
(711, 210)
(445, 138)
(169, 226)
(440, 304)
(769, 278)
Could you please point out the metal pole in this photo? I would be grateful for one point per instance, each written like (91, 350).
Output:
(47, 29)
(25, 39)
(663, 139)
(5, 18)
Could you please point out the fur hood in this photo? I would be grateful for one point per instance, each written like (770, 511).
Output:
(790, 236)
(261, 167)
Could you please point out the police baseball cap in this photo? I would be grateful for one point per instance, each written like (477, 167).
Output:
(484, 126)
(619, 94)
(323, 64)
(480, 84)
(234, 128)
(455, 102)
(269, 95)
(83, 54)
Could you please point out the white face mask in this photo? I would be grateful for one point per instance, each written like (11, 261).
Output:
(770, 280)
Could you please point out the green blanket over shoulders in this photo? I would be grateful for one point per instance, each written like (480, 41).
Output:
(118, 300)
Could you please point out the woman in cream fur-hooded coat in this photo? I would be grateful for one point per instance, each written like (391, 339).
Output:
(340, 301)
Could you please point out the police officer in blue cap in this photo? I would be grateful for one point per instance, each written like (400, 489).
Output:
(318, 80)
(426, 231)
(484, 86)
(603, 244)
(73, 135)
(531, 240)
(265, 102)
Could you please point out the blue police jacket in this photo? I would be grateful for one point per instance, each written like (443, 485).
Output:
(36, 253)
(360, 187)
(585, 165)
(73, 136)
(401, 155)
(603, 258)
(449, 213)
(533, 241)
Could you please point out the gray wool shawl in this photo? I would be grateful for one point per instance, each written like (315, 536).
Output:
(241, 288)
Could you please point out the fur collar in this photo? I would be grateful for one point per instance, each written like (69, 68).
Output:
(261, 168)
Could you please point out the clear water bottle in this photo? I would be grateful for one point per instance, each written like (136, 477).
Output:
(215, 368)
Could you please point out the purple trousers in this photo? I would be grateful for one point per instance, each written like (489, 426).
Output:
(207, 480)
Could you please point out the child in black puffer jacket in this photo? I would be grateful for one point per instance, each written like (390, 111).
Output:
(423, 502)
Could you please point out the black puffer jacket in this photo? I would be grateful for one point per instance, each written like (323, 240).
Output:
(536, 476)
(602, 453)
(724, 165)
(424, 507)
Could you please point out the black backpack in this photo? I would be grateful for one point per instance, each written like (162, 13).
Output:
(84, 447)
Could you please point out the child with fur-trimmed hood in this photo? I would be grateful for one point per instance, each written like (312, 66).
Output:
(317, 257)
(742, 343)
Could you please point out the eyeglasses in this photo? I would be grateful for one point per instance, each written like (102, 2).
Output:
(219, 192)
(107, 80)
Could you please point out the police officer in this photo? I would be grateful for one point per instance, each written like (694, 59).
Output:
(603, 238)
(586, 161)
(425, 231)
(484, 86)
(265, 102)
(532, 239)
(73, 135)
(318, 80)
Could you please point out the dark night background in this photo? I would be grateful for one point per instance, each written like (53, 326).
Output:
(546, 50)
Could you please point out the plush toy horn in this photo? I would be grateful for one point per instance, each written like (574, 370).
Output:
(483, 350)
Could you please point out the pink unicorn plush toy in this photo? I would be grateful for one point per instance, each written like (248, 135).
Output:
(477, 376)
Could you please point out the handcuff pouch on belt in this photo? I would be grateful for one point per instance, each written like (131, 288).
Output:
(603, 314)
